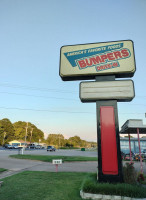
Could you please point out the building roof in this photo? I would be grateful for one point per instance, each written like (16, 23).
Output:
(131, 126)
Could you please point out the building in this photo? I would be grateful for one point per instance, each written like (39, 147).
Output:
(124, 143)
(19, 143)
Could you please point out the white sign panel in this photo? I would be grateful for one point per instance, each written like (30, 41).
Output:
(57, 162)
(89, 60)
(107, 90)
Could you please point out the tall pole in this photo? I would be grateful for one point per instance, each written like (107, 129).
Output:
(141, 165)
(31, 134)
(59, 142)
(4, 138)
(26, 133)
(130, 148)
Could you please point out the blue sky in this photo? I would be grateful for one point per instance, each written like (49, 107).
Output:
(31, 35)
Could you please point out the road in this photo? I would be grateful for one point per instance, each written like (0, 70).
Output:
(16, 165)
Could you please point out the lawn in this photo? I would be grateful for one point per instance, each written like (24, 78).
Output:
(42, 186)
(50, 158)
(2, 170)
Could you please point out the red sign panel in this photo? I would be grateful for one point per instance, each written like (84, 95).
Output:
(108, 141)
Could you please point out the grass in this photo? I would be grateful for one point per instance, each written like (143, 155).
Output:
(50, 158)
(42, 186)
(91, 185)
(2, 170)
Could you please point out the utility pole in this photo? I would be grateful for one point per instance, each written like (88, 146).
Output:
(31, 134)
(59, 142)
(4, 138)
(26, 133)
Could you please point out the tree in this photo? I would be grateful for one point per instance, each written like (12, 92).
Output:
(6, 131)
(56, 139)
(75, 141)
(33, 133)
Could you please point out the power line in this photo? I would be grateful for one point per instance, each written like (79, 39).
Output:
(59, 111)
(30, 95)
(35, 88)
(54, 111)
(59, 98)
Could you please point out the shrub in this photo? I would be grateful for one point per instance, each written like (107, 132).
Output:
(129, 173)
(140, 178)
(91, 185)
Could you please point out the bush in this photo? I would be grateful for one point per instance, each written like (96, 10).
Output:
(91, 185)
(140, 178)
(129, 173)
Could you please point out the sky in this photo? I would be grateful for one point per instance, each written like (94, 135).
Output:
(31, 35)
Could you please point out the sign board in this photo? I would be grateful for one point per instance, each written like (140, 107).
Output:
(79, 62)
(57, 162)
(105, 90)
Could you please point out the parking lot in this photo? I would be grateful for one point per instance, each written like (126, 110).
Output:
(16, 165)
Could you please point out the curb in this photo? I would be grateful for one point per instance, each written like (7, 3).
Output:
(105, 197)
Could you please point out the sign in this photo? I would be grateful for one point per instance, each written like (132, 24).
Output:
(105, 90)
(57, 162)
(78, 62)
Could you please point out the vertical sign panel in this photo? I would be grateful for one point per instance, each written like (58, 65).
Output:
(108, 141)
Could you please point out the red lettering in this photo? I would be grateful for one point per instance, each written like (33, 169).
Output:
(115, 64)
(95, 60)
(110, 56)
(125, 53)
(117, 54)
(103, 58)
(87, 62)
(82, 63)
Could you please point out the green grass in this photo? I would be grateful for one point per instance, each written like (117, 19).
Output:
(50, 158)
(91, 185)
(2, 170)
(42, 186)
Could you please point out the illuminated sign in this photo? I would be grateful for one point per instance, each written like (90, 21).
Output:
(89, 60)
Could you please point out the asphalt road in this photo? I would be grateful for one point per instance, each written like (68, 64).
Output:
(16, 165)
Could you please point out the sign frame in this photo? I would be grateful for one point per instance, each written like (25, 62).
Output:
(86, 76)
(94, 97)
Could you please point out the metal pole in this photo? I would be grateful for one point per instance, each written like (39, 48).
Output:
(56, 167)
(31, 135)
(141, 165)
(26, 133)
(4, 138)
(130, 148)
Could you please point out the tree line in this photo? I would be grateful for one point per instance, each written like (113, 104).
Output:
(25, 130)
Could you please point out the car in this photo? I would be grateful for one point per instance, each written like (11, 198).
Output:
(51, 148)
(15, 147)
(31, 146)
(144, 151)
(8, 146)
(125, 154)
(38, 146)
(137, 157)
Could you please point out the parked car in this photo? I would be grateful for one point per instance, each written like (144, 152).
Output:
(31, 146)
(15, 147)
(38, 146)
(126, 155)
(137, 157)
(8, 146)
(51, 148)
(144, 151)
